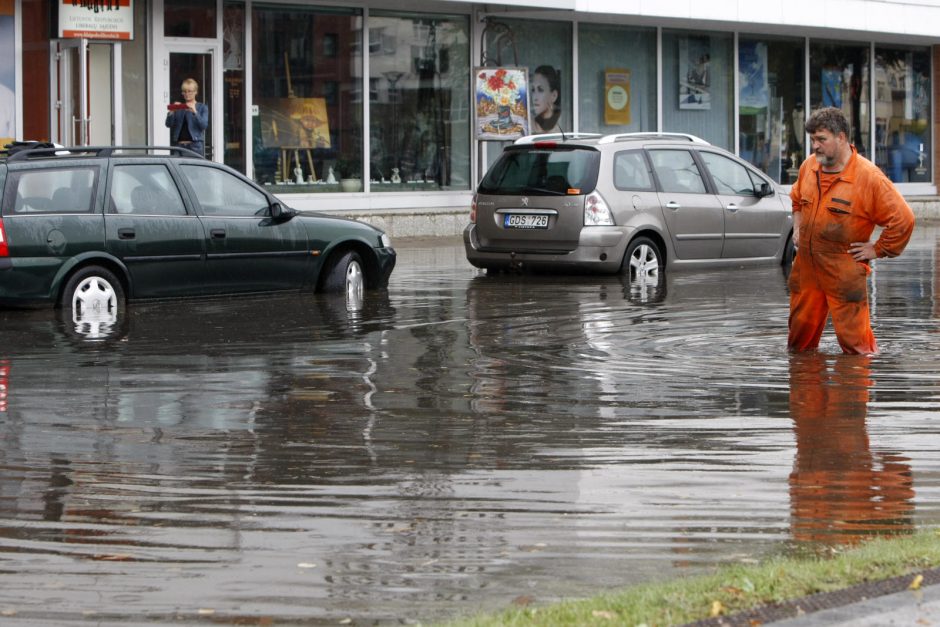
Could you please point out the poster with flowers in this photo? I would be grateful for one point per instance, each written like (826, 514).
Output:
(501, 97)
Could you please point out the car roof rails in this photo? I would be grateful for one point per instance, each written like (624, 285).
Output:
(609, 139)
(42, 149)
(531, 139)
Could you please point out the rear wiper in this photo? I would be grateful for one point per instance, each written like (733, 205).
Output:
(544, 190)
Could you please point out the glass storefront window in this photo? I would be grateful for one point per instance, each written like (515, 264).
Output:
(233, 101)
(902, 113)
(770, 105)
(698, 85)
(544, 47)
(419, 133)
(134, 81)
(189, 18)
(616, 97)
(307, 97)
(839, 77)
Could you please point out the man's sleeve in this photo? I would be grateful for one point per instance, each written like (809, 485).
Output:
(893, 213)
(795, 196)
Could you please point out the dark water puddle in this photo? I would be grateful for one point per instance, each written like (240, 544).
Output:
(461, 442)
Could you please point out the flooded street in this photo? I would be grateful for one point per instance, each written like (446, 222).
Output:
(463, 443)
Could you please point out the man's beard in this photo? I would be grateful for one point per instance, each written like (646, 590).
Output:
(825, 161)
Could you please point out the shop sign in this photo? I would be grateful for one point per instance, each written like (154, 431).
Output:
(96, 19)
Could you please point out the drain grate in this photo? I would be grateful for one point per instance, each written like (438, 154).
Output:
(821, 601)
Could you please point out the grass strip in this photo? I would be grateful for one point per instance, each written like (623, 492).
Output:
(733, 588)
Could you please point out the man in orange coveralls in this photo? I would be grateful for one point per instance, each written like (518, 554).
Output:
(838, 199)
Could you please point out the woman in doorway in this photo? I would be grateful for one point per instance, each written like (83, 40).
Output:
(546, 99)
(188, 120)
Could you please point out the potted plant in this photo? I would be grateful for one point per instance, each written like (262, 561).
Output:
(350, 177)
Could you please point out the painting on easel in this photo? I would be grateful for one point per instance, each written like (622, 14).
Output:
(294, 122)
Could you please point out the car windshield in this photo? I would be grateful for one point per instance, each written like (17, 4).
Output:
(539, 171)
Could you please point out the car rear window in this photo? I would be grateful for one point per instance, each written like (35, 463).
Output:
(47, 190)
(539, 171)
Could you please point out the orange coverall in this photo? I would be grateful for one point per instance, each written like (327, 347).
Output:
(824, 277)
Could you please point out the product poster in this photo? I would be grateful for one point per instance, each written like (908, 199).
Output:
(752, 76)
(695, 73)
(501, 103)
(7, 74)
(832, 87)
(616, 97)
(294, 122)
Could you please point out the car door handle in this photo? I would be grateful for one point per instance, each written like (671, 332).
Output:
(732, 207)
(126, 234)
(672, 205)
(217, 233)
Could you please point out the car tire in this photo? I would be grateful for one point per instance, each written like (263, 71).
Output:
(643, 261)
(346, 276)
(789, 252)
(93, 292)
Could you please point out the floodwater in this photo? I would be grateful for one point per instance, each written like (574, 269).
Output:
(462, 443)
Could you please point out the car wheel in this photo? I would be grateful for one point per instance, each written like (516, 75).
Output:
(346, 277)
(789, 252)
(643, 262)
(94, 295)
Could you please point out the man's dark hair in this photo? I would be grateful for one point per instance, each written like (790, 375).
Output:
(830, 119)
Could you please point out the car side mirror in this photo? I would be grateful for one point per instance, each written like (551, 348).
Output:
(765, 190)
(279, 212)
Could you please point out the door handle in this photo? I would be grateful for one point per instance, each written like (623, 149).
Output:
(732, 207)
(672, 205)
(126, 234)
(217, 233)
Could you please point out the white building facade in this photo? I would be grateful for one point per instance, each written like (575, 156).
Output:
(305, 94)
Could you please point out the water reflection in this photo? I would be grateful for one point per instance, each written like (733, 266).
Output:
(459, 443)
(841, 490)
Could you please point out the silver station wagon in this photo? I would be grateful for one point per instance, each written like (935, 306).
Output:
(637, 203)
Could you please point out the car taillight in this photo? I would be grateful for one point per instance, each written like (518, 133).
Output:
(4, 251)
(473, 210)
(596, 211)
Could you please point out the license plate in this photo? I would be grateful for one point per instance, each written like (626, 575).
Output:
(525, 221)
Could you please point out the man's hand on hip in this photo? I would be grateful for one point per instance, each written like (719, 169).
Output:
(862, 251)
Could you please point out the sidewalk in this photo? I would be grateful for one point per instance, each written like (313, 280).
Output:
(873, 604)
(910, 607)
(450, 221)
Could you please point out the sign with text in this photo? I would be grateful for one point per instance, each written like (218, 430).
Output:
(96, 19)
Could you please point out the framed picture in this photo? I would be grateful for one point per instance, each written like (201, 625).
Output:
(294, 122)
(501, 103)
(695, 73)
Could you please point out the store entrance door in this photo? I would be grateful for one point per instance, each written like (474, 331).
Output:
(188, 61)
(86, 91)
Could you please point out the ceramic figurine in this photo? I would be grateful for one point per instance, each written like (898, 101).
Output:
(331, 178)
(298, 175)
(395, 177)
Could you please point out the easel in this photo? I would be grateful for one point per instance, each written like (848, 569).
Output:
(286, 160)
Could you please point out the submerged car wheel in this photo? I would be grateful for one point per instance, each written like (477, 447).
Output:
(789, 252)
(643, 271)
(642, 261)
(346, 277)
(94, 295)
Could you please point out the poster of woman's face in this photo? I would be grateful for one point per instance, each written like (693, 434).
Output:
(545, 86)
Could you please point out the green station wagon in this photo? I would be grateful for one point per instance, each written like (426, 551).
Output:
(87, 228)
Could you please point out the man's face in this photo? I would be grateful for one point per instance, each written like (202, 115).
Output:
(829, 148)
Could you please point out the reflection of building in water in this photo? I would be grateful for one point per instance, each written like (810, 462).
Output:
(840, 490)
